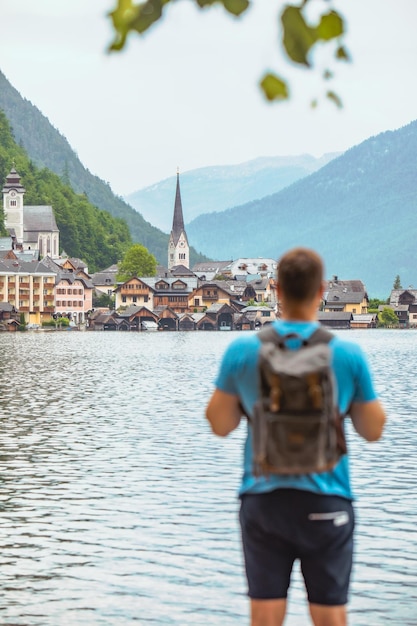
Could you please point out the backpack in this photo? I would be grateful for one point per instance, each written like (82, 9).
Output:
(297, 427)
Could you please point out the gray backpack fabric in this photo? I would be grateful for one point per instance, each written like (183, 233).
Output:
(297, 428)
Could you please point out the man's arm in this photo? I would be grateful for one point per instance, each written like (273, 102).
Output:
(368, 419)
(223, 412)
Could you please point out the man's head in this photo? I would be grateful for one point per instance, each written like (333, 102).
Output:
(300, 276)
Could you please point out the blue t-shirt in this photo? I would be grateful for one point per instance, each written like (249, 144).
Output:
(238, 376)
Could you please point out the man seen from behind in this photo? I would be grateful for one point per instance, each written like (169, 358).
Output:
(305, 517)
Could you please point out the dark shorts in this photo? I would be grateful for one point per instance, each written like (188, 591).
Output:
(288, 524)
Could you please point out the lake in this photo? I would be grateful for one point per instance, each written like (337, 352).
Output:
(118, 506)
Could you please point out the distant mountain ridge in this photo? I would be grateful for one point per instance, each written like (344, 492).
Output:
(48, 148)
(359, 211)
(217, 188)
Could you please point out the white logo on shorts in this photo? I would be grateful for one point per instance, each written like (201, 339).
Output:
(340, 518)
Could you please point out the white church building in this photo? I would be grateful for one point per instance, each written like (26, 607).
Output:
(32, 228)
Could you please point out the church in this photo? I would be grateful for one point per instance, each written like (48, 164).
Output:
(178, 248)
(33, 229)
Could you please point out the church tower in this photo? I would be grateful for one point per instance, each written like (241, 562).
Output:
(178, 248)
(13, 192)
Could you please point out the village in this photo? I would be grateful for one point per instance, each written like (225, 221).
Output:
(41, 287)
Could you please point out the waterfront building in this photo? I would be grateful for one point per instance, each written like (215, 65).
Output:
(33, 229)
(29, 287)
(178, 248)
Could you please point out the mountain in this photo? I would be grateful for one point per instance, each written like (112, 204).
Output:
(97, 237)
(218, 188)
(46, 147)
(359, 211)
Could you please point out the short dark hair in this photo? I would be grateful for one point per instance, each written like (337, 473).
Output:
(300, 274)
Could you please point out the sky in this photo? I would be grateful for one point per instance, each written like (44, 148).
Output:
(186, 94)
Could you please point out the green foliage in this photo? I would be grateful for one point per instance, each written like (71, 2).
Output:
(387, 317)
(85, 231)
(299, 38)
(397, 282)
(137, 261)
(103, 301)
(22, 322)
(374, 304)
(60, 322)
(48, 148)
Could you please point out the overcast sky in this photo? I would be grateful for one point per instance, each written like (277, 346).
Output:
(186, 94)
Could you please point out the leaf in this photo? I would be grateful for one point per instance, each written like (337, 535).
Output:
(298, 36)
(331, 26)
(342, 54)
(128, 16)
(236, 7)
(274, 87)
(331, 95)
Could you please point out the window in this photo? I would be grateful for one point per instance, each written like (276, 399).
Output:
(196, 301)
(69, 290)
(80, 303)
(123, 298)
(353, 310)
(13, 203)
(145, 298)
(134, 299)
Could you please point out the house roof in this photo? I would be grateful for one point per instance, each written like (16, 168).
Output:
(346, 297)
(334, 315)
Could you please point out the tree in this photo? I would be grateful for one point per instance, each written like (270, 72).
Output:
(137, 261)
(397, 282)
(387, 317)
(299, 37)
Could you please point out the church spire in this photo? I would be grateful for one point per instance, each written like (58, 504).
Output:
(178, 248)
(178, 220)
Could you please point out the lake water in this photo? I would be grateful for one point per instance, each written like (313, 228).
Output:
(118, 506)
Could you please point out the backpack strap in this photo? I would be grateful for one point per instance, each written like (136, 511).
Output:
(269, 334)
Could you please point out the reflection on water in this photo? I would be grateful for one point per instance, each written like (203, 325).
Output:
(118, 506)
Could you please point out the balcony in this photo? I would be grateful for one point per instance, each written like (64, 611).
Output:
(24, 286)
(49, 309)
(23, 309)
(49, 298)
(208, 296)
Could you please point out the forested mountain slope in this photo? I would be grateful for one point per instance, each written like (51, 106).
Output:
(85, 232)
(46, 147)
(359, 211)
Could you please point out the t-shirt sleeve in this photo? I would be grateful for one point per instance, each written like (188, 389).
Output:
(364, 386)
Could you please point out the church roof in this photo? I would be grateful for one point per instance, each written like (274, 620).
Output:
(38, 219)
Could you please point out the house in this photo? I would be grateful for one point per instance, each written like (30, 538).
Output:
(173, 292)
(134, 292)
(208, 270)
(139, 318)
(246, 266)
(217, 317)
(29, 288)
(73, 288)
(335, 319)
(259, 315)
(265, 289)
(347, 296)
(207, 294)
(365, 320)
(168, 319)
(105, 281)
